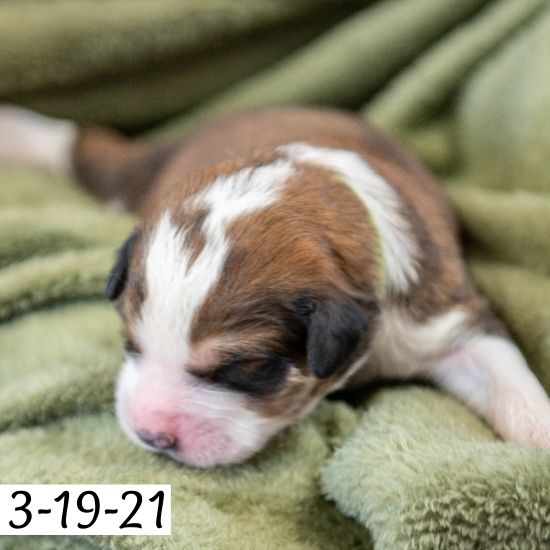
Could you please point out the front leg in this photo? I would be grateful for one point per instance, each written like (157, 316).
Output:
(489, 374)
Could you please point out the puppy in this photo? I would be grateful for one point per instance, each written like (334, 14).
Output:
(280, 255)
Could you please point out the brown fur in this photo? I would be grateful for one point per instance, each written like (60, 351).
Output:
(113, 168)
(316, 237)
(184, 167)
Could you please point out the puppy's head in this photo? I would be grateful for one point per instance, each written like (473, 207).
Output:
(243, 306)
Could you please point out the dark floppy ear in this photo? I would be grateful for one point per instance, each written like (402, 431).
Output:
(335, 327)
(116, 280)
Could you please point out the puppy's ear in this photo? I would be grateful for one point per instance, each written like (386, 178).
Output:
(116, 280)
(334, 328)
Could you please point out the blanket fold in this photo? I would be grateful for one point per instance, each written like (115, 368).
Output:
(465, 83)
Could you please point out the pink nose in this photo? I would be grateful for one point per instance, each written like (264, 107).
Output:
(161, 440)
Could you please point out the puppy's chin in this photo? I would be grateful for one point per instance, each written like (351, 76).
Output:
(197, 425)
(219, 454)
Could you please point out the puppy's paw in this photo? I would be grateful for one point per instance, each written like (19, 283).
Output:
(525, 421)
(490, 375)
(537, 433)
(31, 139)
(537, 437)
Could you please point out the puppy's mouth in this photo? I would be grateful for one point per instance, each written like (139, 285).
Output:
(167, 445)
(176, 455)
(197, 457)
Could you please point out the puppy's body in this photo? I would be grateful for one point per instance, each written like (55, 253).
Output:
(282, 254)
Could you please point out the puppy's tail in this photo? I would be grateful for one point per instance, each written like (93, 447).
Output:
(110, 166)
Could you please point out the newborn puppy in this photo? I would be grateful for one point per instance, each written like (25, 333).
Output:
(280, 255)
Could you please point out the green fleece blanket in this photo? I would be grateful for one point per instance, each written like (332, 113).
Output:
(466, 83)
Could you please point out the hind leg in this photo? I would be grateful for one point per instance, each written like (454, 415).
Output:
(489, 374)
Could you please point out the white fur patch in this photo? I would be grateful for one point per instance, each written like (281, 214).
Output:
(403, 347)
(126, 386)
(399, 248)
(31, 139)
(250, 189)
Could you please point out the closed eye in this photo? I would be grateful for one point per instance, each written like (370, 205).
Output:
(258, 377)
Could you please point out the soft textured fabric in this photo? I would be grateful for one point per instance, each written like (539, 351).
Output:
(466, 83)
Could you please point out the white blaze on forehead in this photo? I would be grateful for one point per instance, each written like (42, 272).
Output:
(399, 249)
(249, 189)
(176, 284)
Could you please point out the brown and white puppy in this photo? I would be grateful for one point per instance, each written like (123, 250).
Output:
(281, 254)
